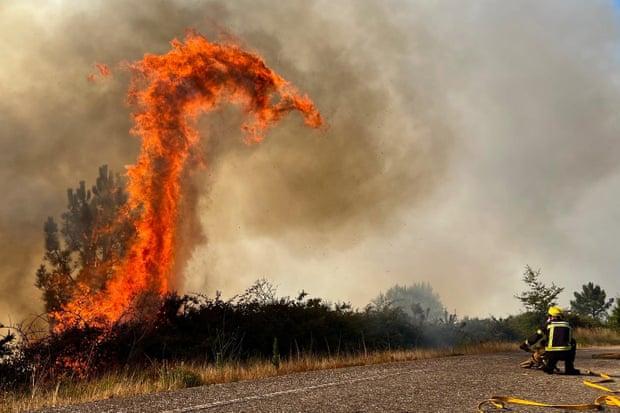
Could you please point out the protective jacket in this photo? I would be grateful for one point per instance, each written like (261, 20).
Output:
(555, 336)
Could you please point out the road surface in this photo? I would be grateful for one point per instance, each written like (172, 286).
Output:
(451, 384)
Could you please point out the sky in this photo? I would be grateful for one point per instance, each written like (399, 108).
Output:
(465, 141)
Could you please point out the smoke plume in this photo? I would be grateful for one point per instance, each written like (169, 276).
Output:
(464, 141)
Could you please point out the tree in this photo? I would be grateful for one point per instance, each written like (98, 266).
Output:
(5, 344)
(93, 237)
(614, 317)
(591, 302)
(261, 292)
(538, 297)
(418, 300)
(54, 275)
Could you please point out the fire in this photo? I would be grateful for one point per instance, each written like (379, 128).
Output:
(104, 71)
(169, 92)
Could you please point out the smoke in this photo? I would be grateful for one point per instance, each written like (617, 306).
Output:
(465, 141)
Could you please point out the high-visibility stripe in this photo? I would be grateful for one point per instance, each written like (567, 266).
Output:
(551, 346)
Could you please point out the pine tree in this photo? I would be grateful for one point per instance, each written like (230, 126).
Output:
(539, 297)
(95, 231)
(614, 318)
(591, 301)
(55, 275)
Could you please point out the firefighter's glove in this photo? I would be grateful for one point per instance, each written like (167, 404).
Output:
(524, 347)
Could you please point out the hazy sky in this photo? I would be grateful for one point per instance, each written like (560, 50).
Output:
(466, 140)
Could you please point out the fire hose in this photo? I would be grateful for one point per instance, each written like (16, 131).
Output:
(612, 399)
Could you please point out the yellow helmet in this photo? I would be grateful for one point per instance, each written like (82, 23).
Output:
(555, 311)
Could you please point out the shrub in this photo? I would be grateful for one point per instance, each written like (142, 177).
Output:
(202, 329)
(179, 377)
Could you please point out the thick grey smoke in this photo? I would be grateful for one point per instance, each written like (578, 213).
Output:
(465, 140)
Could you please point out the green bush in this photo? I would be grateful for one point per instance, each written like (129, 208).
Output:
(614, 317)
(179, 377)
(583, 321)
(524, 324)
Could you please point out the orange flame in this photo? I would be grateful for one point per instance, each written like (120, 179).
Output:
(169, 92)
(104, 71)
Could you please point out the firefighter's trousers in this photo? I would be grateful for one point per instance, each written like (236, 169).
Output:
(551, 359)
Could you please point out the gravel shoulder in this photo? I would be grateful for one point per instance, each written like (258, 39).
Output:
(450, 384)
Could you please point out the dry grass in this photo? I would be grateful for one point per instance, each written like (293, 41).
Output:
(601, 336)
(172, 376)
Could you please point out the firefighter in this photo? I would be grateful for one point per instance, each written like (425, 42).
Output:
(536, 359)
(556, 339)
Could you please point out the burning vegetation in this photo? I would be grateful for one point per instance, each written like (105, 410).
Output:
(108, 272)
(117, 265)
(103, 71)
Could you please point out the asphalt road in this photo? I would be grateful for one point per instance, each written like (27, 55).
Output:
(451, 384)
